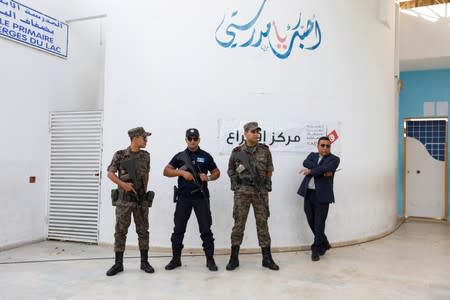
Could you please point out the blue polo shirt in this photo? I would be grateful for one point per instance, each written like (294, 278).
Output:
(203, 162)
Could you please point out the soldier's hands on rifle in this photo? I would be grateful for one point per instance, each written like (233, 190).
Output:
(128, 187)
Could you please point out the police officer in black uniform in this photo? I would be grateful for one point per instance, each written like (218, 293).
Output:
(191, 166)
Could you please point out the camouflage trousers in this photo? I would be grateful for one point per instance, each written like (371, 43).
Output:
(124, 209)
(243, 197)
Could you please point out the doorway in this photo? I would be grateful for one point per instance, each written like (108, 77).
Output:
(425, 168)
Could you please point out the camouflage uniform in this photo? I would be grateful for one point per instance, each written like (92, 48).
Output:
(248, 193)
(127, 205)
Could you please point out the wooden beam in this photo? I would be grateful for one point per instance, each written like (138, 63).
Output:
(419, 3)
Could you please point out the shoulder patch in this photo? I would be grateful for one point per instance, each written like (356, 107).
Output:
(236, 149)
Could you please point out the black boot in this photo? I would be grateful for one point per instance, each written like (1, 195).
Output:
(174, 263)
(210, 263)
(234, 258)
(145, 266)
(118, 266)
(267, 259)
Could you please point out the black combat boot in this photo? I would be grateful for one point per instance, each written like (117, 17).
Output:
(118, 266)
(145, 266)
(267, 259)
(234, 258)
(210, 263)
(174, 263)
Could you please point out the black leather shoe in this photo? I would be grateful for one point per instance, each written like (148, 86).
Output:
(174, 263)
(146, 267)
(211, 264)
(315, 256)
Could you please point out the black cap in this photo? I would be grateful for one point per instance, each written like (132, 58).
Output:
(192, 132)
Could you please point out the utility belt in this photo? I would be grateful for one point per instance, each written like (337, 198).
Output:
(120, 194)
(248, 182)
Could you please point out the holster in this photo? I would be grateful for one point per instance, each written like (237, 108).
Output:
(149, 196)
(175, 194)
(114, 196)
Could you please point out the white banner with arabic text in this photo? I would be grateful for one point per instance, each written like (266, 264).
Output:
(281, 137)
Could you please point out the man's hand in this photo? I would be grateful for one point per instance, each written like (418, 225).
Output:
(186, 175)
(328, 174)
(128, 187)
(203, 177)
(305, 171)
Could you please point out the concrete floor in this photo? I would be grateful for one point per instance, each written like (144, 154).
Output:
(411, 263)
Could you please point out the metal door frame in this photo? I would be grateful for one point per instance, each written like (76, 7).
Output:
(405, 215)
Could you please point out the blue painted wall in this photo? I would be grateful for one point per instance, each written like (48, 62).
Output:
(419, 87)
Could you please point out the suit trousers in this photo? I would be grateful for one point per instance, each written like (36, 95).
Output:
(316, 214)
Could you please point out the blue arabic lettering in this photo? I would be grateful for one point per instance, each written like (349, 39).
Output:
(278, 43)
(243, 27)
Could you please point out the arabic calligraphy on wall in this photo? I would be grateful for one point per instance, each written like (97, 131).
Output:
(32, 28)
(278, 38)
(298, 137)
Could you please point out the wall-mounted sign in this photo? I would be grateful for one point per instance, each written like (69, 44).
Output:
(279, 37)
(286, 137)
(30, 27)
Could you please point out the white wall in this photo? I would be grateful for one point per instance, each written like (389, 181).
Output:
(32, 84)
(165, 71)
(424, 44)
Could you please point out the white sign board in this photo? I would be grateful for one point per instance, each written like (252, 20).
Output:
(30, 27)
(287, 137)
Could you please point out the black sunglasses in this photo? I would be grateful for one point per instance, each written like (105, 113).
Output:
(191, 138)
(325, 145)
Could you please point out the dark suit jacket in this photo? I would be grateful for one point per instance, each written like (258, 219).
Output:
(324, 184)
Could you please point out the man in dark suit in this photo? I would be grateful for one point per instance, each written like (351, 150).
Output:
(317, 190)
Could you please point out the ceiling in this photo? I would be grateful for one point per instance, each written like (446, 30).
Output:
(406, 4)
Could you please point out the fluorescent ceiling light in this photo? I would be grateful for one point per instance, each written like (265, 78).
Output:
(409, 12)
(431, 19)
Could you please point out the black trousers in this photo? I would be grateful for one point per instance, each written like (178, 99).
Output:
(181, 217)
(316, 214)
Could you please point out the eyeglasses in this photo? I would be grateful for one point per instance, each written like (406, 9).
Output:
(191, 138)
(325, 145)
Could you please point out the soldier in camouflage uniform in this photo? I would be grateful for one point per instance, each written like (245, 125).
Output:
(130, 198)
(250, 169)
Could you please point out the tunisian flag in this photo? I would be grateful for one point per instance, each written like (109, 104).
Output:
(333, 136)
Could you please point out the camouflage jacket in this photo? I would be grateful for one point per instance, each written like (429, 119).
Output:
(259, 157)
(142, 165)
